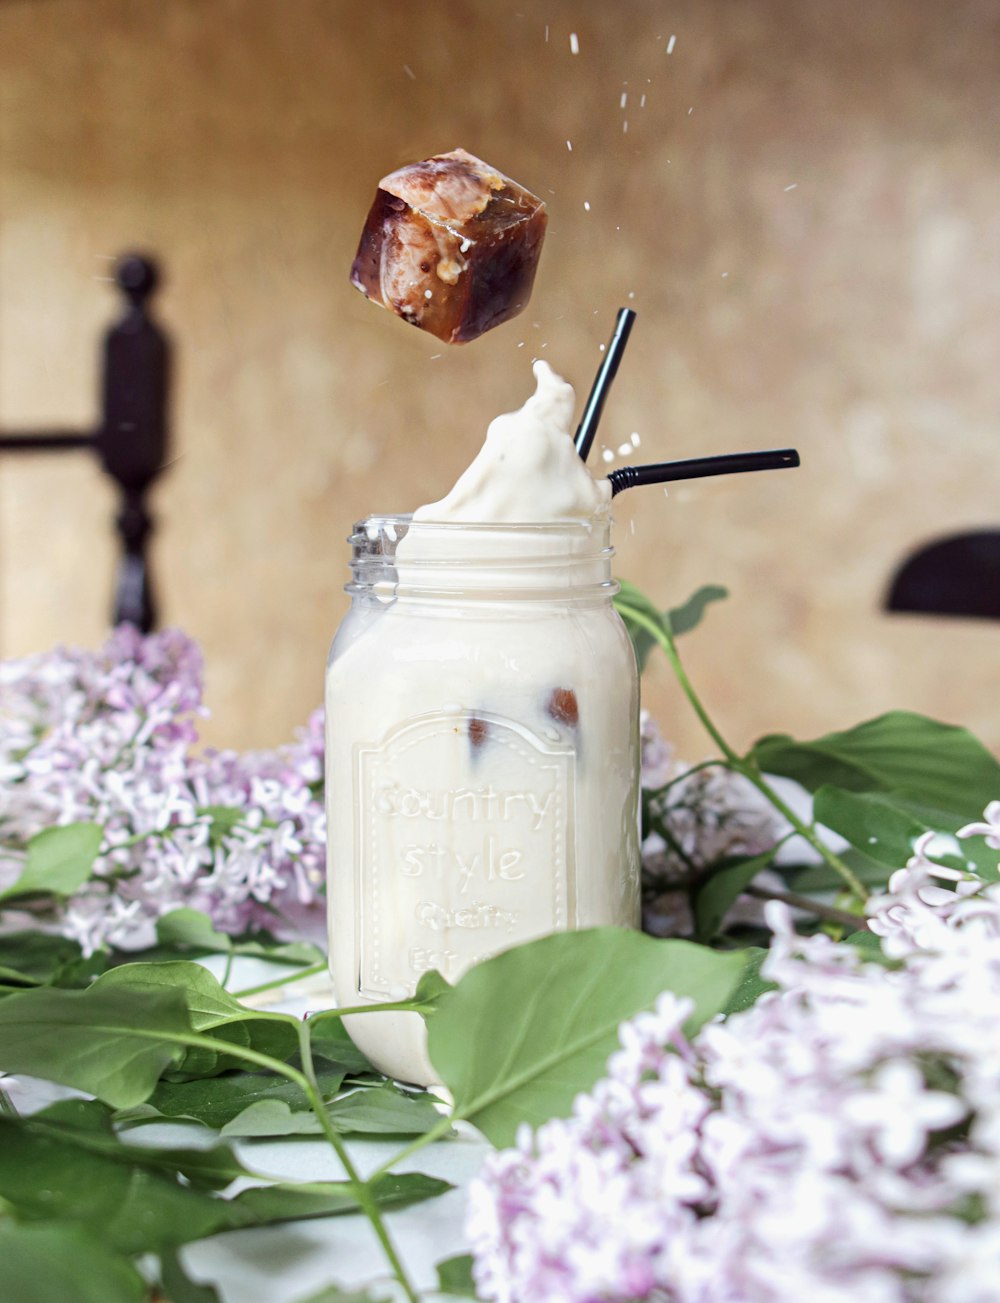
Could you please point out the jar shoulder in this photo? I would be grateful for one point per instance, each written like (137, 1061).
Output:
(399, 637)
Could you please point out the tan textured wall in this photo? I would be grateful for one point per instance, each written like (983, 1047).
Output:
(855, 315)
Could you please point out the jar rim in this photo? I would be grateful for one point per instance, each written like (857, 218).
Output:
(547, 557)
(378, 521)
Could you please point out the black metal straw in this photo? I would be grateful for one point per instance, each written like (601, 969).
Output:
(602, 383)
(695, 468)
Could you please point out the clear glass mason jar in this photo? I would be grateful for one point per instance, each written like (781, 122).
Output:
(482, 758)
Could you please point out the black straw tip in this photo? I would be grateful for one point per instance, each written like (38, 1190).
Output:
(606, 372)
(696, 468)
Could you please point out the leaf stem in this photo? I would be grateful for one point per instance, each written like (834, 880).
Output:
(656, 792)
(736, 762)
(437, 1132)
(361, 1188)
(856, 922)
(388, 1006)
(307, 1083)
(276, 982)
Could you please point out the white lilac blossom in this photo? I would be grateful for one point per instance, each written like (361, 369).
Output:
(697, 815)
(109, 737)
(840, 1139)
(708, 811)
(656, 753)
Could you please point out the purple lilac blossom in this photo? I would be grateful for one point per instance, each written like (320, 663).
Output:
(841, 1139)
(109, 737)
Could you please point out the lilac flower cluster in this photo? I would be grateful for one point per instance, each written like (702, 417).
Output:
(841, 1139)
(107, 737)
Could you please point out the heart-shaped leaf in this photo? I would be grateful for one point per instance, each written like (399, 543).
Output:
(111, 1043)
(60, 860)
(213, 1010)
(679, 620)
(886, 826)
(938, 765)
(522, 1034)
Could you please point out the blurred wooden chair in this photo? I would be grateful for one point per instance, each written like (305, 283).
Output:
(957, 576)
(131, 438)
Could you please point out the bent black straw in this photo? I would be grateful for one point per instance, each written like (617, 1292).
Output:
(602, 383)
(696, 468)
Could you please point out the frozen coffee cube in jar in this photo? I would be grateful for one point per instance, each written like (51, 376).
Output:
(450, 245)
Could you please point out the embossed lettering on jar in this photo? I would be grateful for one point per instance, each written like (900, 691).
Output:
(482, 758)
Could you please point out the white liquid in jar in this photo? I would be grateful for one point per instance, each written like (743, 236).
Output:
(482, 741)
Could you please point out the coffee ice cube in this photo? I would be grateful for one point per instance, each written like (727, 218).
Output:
(563, 706)
(450, 245)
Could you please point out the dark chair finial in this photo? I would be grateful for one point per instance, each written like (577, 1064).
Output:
(954, 576)
(137, 277)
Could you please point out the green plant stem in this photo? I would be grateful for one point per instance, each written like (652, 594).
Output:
(437, 1132)
(388, 1006)
(360, 1187)
(736, 762)
(674, 845)
(312, 971)
(681, 778)
(307, 1083)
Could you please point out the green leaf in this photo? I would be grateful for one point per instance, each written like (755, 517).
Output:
(684, 618)
(130, 1206)
(111, 1043)
(455, 1276)
(384, 1110)
(267, 1205)
(822, 878)
(522, 1034)
(35, 957)
(216, 1101)
(224, 819)
(60, 860)
(330, 1040)
(178, 1286)
(431, 987)
(680, 619)
(334, 1294)
(940, 765)
(137, 1202)
(716, 894)
(751, 985)
(886, 827)
(271, 1117)
(61, 1264)
(870, 946)
(88, 1124)
(213, 1011)
(191, 929)
(628, 600)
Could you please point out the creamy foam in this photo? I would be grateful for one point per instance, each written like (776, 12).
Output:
(528, 470)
